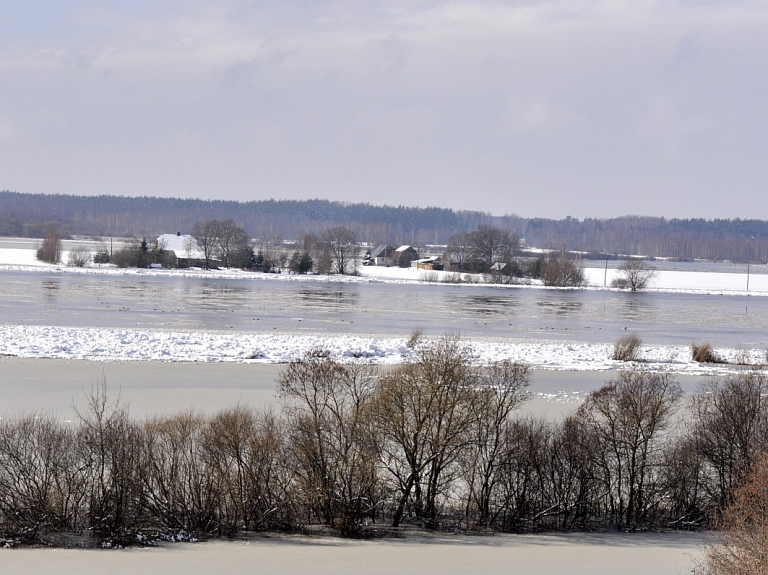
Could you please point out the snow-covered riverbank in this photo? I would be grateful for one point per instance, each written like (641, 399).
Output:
(733, 282)
(145, 345)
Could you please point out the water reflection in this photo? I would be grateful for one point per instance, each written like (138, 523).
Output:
(560, 306)
(51, 289)
(634, 309)
(485, 305)
(332, 298)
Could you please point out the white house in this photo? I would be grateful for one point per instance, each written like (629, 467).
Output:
(185, 249)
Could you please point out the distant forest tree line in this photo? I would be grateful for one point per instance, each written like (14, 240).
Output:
(33, 215)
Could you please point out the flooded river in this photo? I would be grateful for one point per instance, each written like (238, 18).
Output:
(307, 306)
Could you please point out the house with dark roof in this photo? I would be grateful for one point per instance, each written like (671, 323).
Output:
(382, 255)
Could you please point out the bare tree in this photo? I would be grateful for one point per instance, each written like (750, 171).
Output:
(206, 234)
(422, 414)
(630, 415)
(457, 252)
(231, 241)
(634, 274)
(110, 451)
(501, 388)
(571, 473)
(328, 415)
(491, 245)
(341, 245)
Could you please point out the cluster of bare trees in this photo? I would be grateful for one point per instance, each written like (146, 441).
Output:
(490, 250)
(487, 249)
(335, 251)
(225, 240)
(557, 269)
(436, 442)
(742, 530)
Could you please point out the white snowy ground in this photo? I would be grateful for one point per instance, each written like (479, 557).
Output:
(150, 345)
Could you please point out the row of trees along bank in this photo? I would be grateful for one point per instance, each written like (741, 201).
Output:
(437, 442)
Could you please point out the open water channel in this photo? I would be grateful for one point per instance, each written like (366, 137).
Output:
(310, 306)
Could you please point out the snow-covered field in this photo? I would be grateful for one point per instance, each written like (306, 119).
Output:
(156, 345)
(572, 554)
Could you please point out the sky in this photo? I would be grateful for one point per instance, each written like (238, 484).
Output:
(541, 108)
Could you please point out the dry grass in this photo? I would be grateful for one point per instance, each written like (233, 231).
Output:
(627, 348)
(416, 337)
(705, 354)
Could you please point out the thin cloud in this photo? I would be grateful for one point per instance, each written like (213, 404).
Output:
(506, 107)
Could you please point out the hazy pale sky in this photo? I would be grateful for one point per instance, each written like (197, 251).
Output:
(539, 108)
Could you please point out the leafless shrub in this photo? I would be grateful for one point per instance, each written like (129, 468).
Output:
(243, 453)
(627, 348)
(415, 338)
(634, 274)
(705, 354)
(742, 531)
(454, 278)
(79, 257)
(620, 283)
(429, 277)
(181, 493)
(562, 272)
(42, 487)
(50, 249)
(109, 443)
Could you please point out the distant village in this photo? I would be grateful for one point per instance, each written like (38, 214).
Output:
(487, 254)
